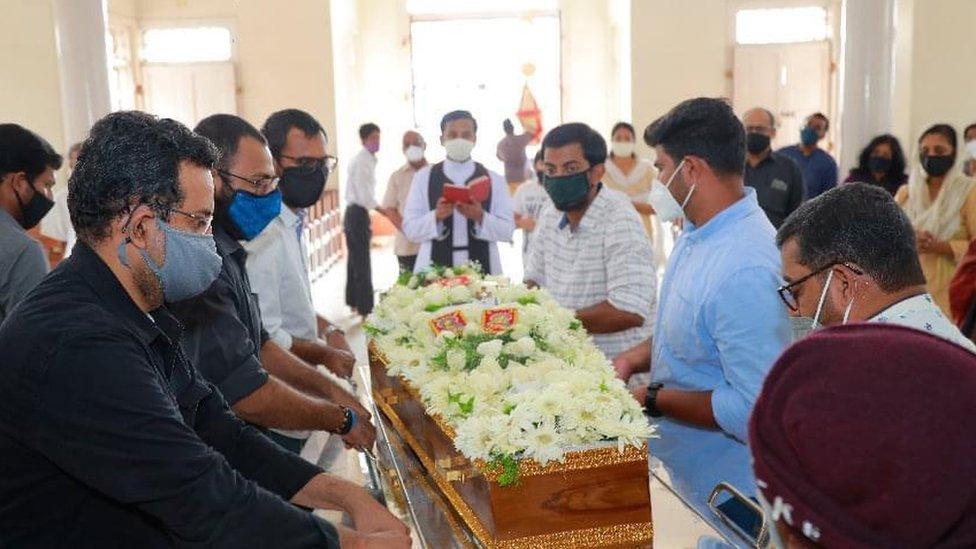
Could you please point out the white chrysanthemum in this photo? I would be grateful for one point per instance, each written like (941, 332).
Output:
(543, 443)
(491, 348)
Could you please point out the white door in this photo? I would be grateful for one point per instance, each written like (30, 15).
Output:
(792, 80)
(190, 92)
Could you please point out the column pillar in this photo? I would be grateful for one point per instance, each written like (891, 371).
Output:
(867, 83)
(80, 27)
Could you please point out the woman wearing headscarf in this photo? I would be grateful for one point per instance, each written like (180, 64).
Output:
(941, 204)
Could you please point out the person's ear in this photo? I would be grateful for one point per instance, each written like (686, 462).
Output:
(139, 229)
(443, 139)
(18, 181)
(596, 174)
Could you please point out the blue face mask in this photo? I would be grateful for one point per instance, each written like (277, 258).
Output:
(190, 265)
(808, 136)
(251, 213)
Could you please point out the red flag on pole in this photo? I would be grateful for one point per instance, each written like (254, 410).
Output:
(529, 115)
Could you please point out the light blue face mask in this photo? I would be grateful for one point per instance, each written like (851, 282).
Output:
(190, 265)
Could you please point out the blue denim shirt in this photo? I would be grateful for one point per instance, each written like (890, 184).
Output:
(721, 325)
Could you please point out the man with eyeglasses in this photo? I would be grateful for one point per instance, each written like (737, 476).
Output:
(776, 178)
(849, 256)
(265, 384)
(109, 435)
(720, 324)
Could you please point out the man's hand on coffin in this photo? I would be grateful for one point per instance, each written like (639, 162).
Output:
(363, 435)
(352, 539)
(371, 517)
(340, 362)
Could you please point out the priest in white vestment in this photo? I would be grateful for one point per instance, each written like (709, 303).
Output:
(454, 233)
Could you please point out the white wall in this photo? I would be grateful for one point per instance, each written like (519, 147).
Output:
(29, 82)
(942, 74)
(283, 51)
(679, 51)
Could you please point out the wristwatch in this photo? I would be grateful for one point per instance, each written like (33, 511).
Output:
(650, 400)
(350, 420)
(331, 329)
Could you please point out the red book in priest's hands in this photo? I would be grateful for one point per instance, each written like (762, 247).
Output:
(475, 191)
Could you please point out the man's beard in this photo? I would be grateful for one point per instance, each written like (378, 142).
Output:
(147, 282)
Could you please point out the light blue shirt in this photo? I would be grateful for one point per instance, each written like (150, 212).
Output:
(721, 325)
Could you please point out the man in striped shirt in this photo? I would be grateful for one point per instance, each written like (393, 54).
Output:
(590, 250)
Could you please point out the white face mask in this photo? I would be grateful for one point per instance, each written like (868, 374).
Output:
(459, 150)
(622, 148)
(971, 148)
(803, 325)
(664, 203)
(414, 153)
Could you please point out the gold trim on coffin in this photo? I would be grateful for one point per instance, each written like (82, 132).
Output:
(621, 534)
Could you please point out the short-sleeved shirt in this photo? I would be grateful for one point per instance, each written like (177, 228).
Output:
(529, 201)
(57, 223)
(607, 258)
(223, 333)
(779, 186)
(720, 327)
(819, 169)
(22, 263)
(110, 437)
(397, 191)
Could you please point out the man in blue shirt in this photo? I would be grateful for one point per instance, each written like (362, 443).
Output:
(819, 168)
(720, 325)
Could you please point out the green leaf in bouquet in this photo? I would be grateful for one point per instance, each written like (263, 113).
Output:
(528, 300)
(509, 467)
(404, 278)
(373, 331)
(466, 406)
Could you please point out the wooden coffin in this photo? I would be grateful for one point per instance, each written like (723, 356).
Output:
(593, 498)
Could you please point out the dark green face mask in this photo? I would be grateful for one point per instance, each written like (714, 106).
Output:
(568, 192)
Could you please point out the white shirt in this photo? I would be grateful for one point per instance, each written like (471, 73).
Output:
(529, 201)
(921, 312)
(361, 184)
(57, 223)
(276, 265)
(607, 258)
(421, 226)
(397, 191)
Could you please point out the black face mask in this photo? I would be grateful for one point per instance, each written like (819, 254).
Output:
(757, 142)
(937, 166)
(879, 164)
(302, 189)
(35, 209)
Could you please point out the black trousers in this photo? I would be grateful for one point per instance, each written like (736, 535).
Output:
(407, 262)
(359, 273)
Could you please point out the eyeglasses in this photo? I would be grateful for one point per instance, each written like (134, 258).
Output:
(787, 291)
(261, 184)
(308, 164)
(202, 220)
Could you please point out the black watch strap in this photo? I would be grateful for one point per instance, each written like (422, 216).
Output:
(650, 400)
(349, 420)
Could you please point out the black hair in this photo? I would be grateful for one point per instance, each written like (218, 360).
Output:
(226, 131)
(22, 150)
(508, 127)
(703, 127)
(623, 125)
(538, 156)
(861, 224)
(277, 126)
(367, 130)
(945, 130)
(458, 115)
(969, 127)
(897, 154)
(821, 116)
(131, 157)
(593, 145)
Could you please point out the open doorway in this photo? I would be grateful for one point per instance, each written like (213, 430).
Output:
(782, 62)
(481, 64)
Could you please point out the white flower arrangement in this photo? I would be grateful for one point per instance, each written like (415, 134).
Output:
(527, 383)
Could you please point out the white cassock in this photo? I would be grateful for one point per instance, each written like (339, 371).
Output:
(420, 225)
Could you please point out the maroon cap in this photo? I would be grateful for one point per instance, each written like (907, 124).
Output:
(865, 436)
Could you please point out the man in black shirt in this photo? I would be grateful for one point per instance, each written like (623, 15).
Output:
(109, 436)
(224, 336)
(777, 179)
